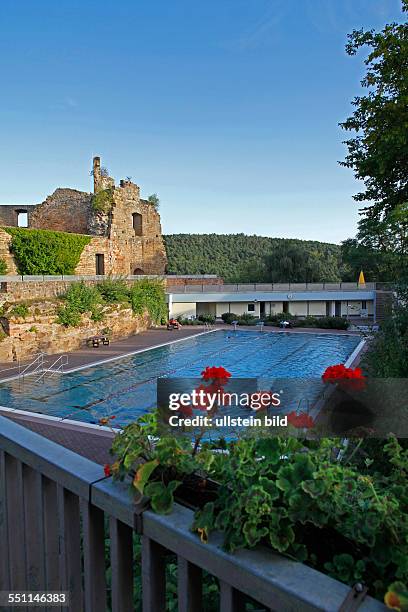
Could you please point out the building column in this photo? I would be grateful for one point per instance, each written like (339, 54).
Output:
(170, 304)
(332, 308)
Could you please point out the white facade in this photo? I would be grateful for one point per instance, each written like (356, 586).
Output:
(349, 304)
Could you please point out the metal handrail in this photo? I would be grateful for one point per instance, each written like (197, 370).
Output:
(62, 360)
(39, 360)
(268, 287)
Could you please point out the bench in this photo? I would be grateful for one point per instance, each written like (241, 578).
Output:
(97, 340)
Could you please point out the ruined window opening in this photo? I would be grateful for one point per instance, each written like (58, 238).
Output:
(100, 264)
(22, 218)
(137, 223)
(137, 271)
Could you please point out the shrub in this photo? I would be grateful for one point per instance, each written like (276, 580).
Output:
(82, 298)
(229, 317)
(387, 354)
(19, 310)
(3, 267)
(114, 291)
(68, 316)
(247, 319)
(46, 251)
(332, 323)
(148, 294)
(276, 318)
(33, 329)
(97, 314)
(103, 200)
(206, 318)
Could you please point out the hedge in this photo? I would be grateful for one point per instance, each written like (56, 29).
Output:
(40, 251)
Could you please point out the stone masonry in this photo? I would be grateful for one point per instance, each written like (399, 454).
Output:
(126, 236)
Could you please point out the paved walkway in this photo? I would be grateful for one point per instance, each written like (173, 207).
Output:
(119, 348)
(92, 443)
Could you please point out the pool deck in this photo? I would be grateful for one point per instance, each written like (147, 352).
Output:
(88, 356)
(94, 442)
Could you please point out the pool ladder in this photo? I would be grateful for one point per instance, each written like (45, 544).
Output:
(57, 367)
(38, 366)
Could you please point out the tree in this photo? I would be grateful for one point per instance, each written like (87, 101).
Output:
(378, 152)
(154, 200)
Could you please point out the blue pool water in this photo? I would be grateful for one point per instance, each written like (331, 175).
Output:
(127, 387)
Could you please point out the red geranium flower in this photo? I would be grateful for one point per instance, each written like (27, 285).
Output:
(300, 420)
(215, 373)
(340, 372)
(348, 378)
(107, 470)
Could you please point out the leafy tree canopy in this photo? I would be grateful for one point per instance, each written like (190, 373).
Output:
(378, 150)
(241, 258)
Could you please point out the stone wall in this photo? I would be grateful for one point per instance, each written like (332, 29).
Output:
(17, 291)
(5, 254)
(9, 213)
(39, 332)
(66, 210)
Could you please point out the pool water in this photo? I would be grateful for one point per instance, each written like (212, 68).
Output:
(127, 387)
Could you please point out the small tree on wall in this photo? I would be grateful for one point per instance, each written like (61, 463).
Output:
(154, 200)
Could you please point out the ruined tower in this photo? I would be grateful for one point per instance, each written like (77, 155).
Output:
(100, 176)
(125, 230)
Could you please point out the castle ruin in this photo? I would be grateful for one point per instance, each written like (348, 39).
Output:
(125, 229)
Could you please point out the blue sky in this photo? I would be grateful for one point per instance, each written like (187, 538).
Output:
(228, 109)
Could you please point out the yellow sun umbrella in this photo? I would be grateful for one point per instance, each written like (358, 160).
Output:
(361, 279)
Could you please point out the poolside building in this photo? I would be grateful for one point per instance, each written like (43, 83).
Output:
(348, 300)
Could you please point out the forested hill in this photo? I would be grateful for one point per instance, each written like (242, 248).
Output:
(242, 258)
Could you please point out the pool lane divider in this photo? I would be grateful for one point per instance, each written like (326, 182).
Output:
(153, 379)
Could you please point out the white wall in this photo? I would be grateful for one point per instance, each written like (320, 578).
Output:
(204, 308)
(317, 309)
(238, 308)
(298, 308)
(186, 309)
(273, 307)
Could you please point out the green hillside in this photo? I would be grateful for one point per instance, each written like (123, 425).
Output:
(242, 258)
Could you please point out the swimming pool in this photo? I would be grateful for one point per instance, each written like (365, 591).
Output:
(126, 387)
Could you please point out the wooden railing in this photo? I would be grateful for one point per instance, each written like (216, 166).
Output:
(56, 510)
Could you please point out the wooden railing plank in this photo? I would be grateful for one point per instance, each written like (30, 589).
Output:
(231, 600)
(153, 576)
(94, 557)
(121, 546)
(4, 561)
(51, 535)
(15, 521)
(34, 529)
(70, 553)
(189, 578)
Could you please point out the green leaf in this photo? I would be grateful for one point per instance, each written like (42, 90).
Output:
(161, 496)
(143, 474)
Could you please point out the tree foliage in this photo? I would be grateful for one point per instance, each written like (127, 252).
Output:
(241, 258)
(378, 150)
(154, 200)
